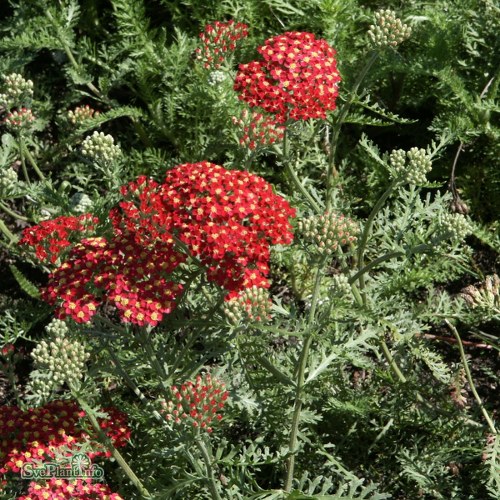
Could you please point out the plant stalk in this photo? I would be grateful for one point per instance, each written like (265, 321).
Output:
(212, 484)
(468, 374)
(109, 445)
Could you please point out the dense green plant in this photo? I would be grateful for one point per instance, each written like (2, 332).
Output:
(336, 384)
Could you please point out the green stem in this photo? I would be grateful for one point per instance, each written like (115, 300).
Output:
(10, 212)
(122, 372)
(5, 230)
(299, 388)
(374, 263)
(331, 173)
(366, 232)
(114, 452)
(30, 158)
(391, 361)
(160, 371)
(212, 484)
(23, 160)
(293, 175)
(487, 417)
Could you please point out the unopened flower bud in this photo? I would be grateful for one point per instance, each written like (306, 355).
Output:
(8, 179)
(328, 231)
(19, 119)
(455, 226)
(101, 148)
(81, 113)
(388, 30)
(411, 166)
(252, 304)
(16, 91)
(80, 203)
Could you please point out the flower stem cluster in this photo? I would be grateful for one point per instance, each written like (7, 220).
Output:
(38, 433)
(297, 77)
(51, 237)
(255, 129)
(16, 91)
(62, 489)
(101, 148)
(81, 114)
(454, 226)
(412, 165)
(196, 405)
(19, 119)
(328, 232)
(218, 39)
(62, 357)
(388, 30)
(250, 305)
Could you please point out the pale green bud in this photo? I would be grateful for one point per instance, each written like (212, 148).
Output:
(101, 148)
(388, 30)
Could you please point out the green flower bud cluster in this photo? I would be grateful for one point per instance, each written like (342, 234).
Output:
(328, 231)
(16, 90)
(8, 179)
(216, 77)
(341, 286)
(485, 296)
(80, 203)
(81, 113)
(19, 119)
(412, 165)
(62, 357)
(252, 304)
(388, 30)
(101, 148)
(40, 387)
(455, 226)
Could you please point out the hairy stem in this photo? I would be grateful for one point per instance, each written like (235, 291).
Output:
(212, 484)
(299, 388)
(468, 374)
(110, 446)
(293, 175)
(332, 172)
(13, 214)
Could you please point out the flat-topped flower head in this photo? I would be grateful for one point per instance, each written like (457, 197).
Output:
(56, 488)
(196, 406)
(39, 433)
(218, 39)
(296, 78)
(257, 130)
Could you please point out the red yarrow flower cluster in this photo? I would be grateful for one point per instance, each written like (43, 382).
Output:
(51, 237)
(37, 434)
(196, 404)
(19, 119)
(63, 489)
(131, 276)
(218, 39)
(296, 79)
(227, 219)
(258, 130)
